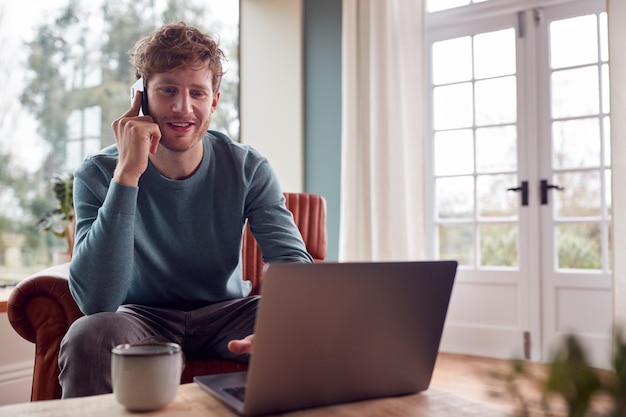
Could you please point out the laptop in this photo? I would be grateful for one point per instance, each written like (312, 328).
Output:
(330, 333)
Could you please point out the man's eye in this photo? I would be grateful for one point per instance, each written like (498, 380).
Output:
(197, 94)
(169, 90)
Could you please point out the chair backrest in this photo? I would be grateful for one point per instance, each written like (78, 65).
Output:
(309, 214)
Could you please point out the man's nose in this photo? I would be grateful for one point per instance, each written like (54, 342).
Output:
(182, 104)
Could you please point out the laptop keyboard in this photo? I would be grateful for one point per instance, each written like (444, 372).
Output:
(237, 392)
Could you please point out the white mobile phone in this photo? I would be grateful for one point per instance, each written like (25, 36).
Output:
(140, 85)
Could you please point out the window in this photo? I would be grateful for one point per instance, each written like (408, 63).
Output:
(497, 111)
(521, 173)
(66, 77)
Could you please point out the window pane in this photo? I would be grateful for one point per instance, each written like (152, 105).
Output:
(493, 198)
(496, 149)
(455, 197)
(581, 194)
(76, 150)
(573, 41)
(453, 107)
(498, 245)
(575, 92)
(494, 54)
(496, 101)
(74, 124)
(576, 143)
(452, 61)
(578, 246)
(92, 121)
(457, 242)
(454, 152)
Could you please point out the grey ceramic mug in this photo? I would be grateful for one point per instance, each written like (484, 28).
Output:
(146, 376)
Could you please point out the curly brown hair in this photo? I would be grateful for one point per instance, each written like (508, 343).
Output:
(177, 45)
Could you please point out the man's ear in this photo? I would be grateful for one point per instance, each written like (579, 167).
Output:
(216, 99)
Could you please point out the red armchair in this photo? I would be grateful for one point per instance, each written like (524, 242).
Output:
(41, 308)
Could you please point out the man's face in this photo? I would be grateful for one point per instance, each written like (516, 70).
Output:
(181, 103)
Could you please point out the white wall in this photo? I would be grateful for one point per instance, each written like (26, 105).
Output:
(617, 36)
(271, 71)
(16, 364)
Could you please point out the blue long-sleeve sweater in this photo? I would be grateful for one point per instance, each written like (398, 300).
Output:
(176, 243)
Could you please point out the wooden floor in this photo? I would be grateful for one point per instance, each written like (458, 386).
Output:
(475, 378)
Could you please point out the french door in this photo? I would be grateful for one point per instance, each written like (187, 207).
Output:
(521, 176)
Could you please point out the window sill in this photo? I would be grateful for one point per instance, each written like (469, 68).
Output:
(4, 296)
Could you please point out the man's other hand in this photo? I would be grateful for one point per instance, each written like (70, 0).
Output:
(242, 346)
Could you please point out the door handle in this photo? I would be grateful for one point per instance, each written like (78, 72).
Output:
(524, 189)
(545, 186)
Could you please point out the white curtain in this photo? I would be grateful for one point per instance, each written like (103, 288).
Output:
(382, 176)
(617, 61)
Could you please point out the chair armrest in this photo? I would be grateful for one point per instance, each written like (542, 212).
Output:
(41, 300)
(41, 309)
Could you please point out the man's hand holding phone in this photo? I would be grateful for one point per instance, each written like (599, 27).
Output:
(136, 137)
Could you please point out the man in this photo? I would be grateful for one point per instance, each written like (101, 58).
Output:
(160, 217)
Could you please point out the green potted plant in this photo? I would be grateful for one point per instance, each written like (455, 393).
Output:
(570, 386)
(60, 220)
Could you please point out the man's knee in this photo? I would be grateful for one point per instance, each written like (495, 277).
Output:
(84, 356)
(94, 332)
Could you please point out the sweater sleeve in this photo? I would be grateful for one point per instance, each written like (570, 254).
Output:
(271, 222)
(105, 210)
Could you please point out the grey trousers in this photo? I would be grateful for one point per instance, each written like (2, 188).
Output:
(85, 353)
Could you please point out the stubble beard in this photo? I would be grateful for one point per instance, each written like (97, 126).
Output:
(179, 146)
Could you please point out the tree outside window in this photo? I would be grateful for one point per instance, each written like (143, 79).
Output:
(71, 82)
